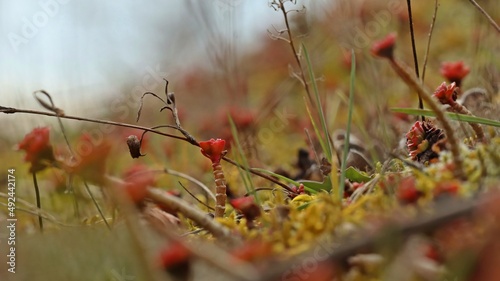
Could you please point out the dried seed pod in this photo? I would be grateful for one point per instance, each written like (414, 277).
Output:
(134, 146)
(421, 139)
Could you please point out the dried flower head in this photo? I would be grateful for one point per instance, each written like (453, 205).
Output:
(38, 149)
(134, 146)
(446, 94)
(213, 149)
(384, 48)
(454, 71)
(421, 139)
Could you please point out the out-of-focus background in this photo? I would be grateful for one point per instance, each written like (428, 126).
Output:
(85, 54)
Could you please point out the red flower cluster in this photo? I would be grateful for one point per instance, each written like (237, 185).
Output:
(213, 149)
(38, 149)
(454, 71)
(384, 48)
(446, 94)
(415, 140)
(297, 191)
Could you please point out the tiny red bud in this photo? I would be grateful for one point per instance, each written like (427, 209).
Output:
(384, 48)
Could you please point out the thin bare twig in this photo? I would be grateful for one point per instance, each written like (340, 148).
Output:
(52, 107)
(281, 6)
(96, 204)
(490, 19)
(431, 30)
(38, 203)
(191, 179)
(257, 173)
(12, 110)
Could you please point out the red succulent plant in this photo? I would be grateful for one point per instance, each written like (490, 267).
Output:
(38, 149)
(446, 94)
(424, 141)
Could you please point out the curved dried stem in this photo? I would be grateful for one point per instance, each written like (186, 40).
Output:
(194, 197)
(12, 110)
(59, 112)
(279, 5)
(191, 179)
(142, 103)
(96, 204)
(257, 173)
(488, 17)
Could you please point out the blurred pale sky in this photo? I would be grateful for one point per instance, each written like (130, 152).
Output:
(78, 49)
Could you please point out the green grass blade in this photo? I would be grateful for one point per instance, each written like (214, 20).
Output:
(321, 114)
(348, 129)
(247, 179)
(451, 115)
